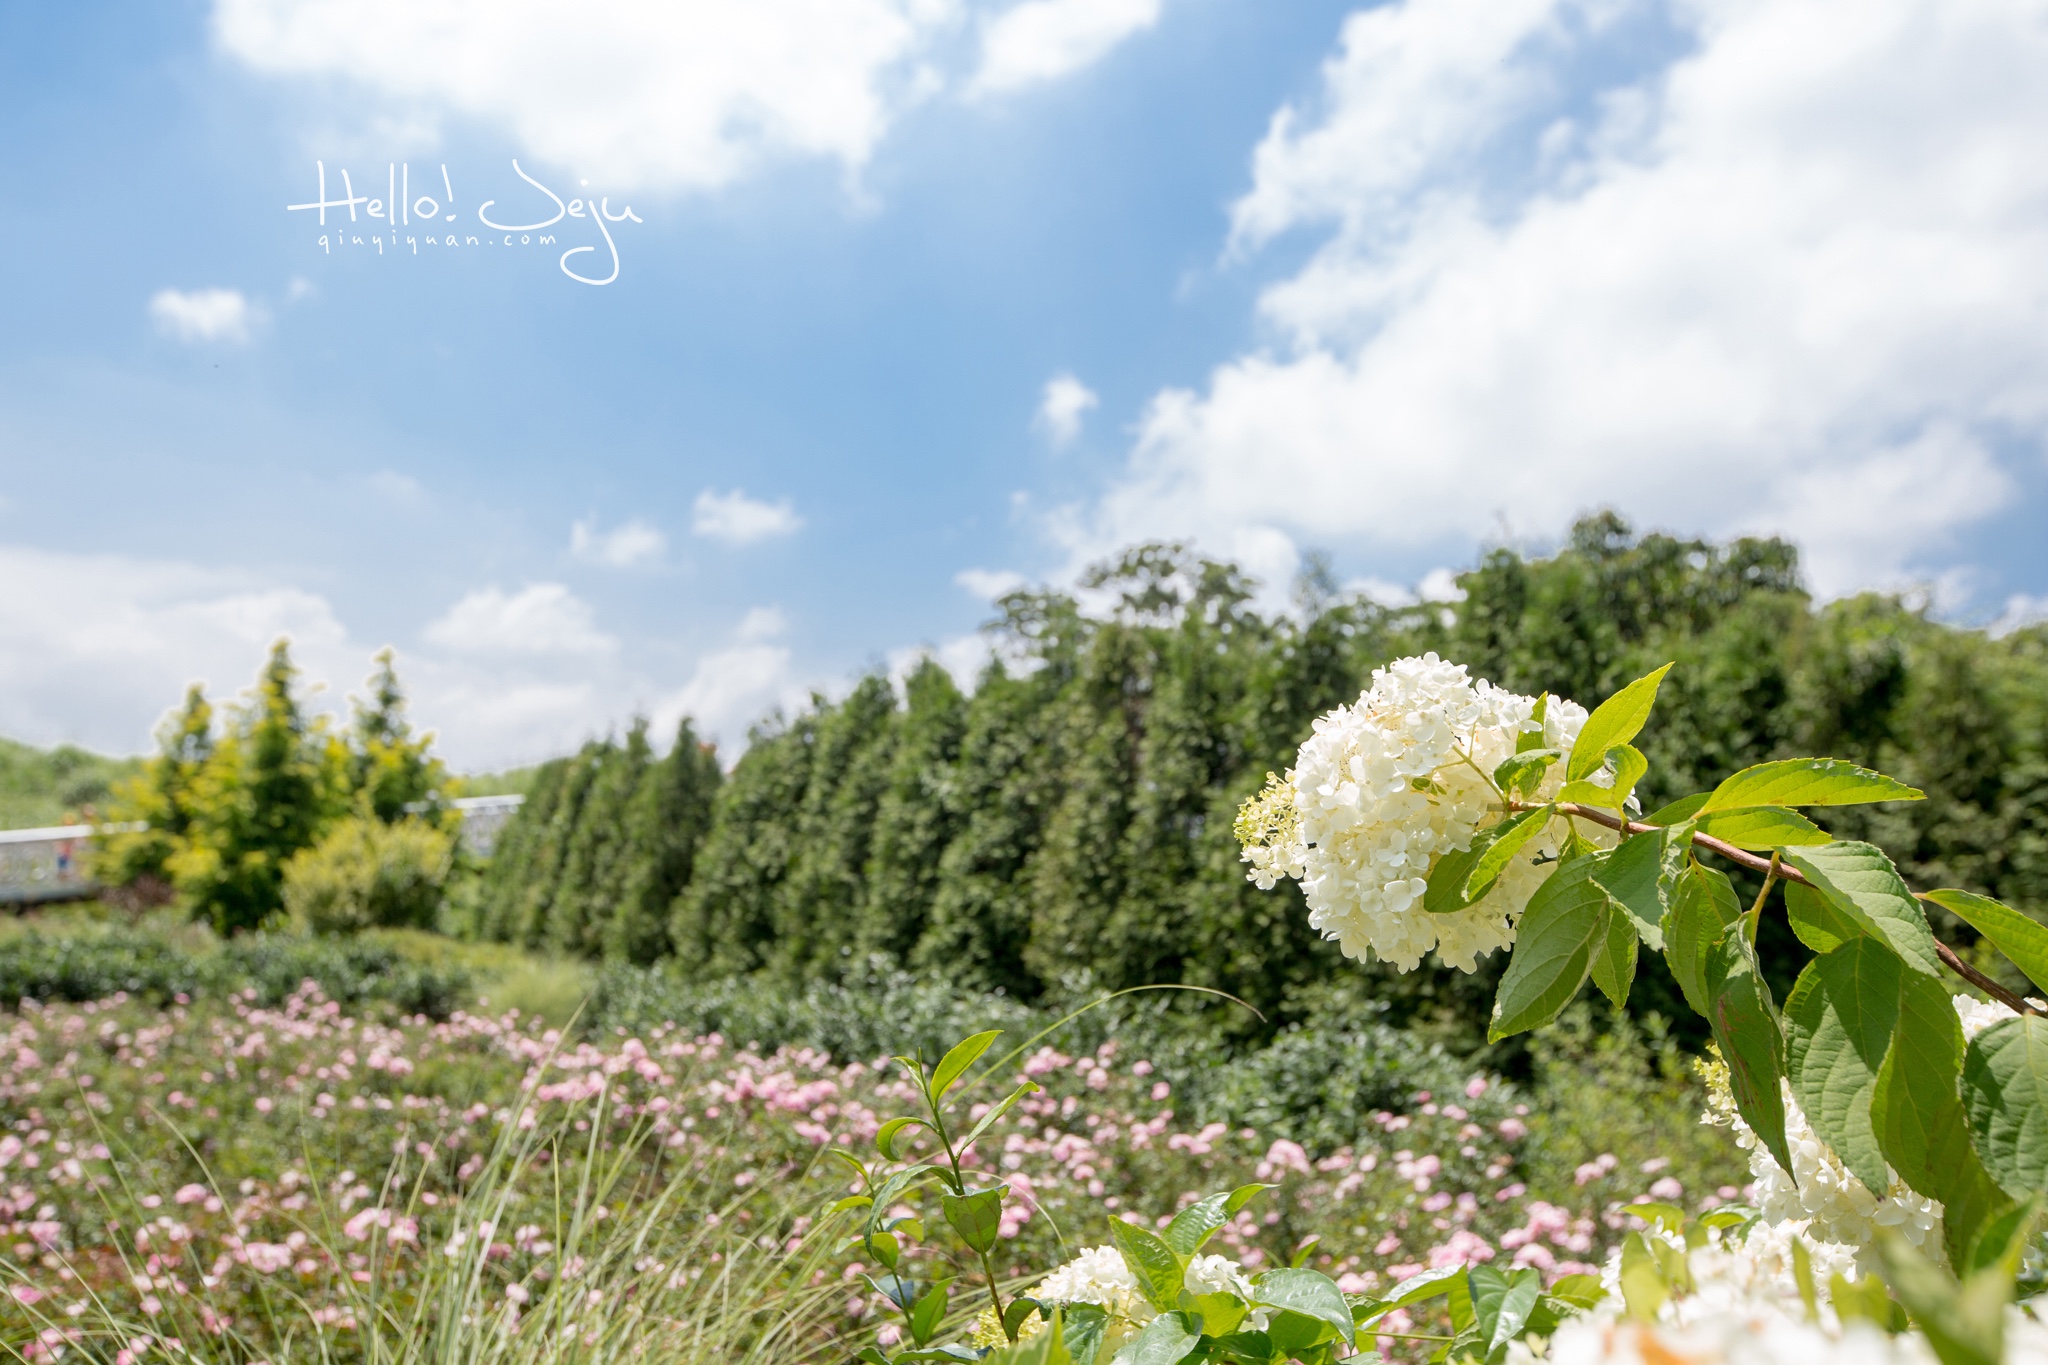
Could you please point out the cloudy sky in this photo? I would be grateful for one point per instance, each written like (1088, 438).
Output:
(683, 356)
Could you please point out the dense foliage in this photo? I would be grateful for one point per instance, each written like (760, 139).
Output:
(60, 786)
(227, 807)
(1071, 819)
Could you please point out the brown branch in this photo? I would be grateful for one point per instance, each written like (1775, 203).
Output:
(1772, 867)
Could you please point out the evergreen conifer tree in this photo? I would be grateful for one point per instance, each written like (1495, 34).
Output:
(670, 813)
(390, 766)
(159, 798)
(595, 864)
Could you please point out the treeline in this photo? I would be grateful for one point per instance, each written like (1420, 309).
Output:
(1069, 822)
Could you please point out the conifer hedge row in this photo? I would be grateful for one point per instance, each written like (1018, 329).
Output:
(1068, 824)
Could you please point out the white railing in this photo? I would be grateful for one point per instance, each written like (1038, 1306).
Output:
(49, 864)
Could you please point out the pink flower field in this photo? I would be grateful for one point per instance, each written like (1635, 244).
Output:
(231, 1182)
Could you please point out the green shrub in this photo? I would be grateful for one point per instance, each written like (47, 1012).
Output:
(49, 968)
(350, 972)
(366, 874)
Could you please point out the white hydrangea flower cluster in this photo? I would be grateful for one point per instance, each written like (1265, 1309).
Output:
(1392, 782)
(1099, 1276)
(1820, 1199)
(1744, 1309)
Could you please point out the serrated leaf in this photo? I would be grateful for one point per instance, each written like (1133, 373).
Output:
(2016, 935)
(1522, 773)
(886, 1135)
(1918, 1113)
(1702, 909)
(1614, 956)
(1762, 827)
(1160, 1273)
(1839, 1021)
(1530, 740)
(1863, 886)
(1638, 874)
(2005, 1094)
(1084, 1326)
(978, 1218)
(1459, 878)
(1745, 1024)
(1553, 950)
(1193, 1225)
(1807, 782)
(1815, 922)
(954, 1064)
(1617, 720)
(1628, 766)
(1166, 1340)
(1308, 1292)
(1679, 811)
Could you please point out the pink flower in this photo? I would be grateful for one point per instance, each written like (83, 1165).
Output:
(1475, 1087)
(26, 1293)
(190, 1194)
(267, 1258)
(1667, 1189)
(1284, 1156)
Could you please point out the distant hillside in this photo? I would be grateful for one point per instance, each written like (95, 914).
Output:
(511, 782)
(55, 786)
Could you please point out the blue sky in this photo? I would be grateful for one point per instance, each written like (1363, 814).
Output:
(929, 295)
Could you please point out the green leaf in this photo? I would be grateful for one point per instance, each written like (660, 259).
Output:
(1580, 1291)
(1642, 1279)
(1295, 1336)
(1521, 774)
(1308, 1292)
(1220, 1313)
(885, 1136)
(1502, 1302)
(1085, 1326)
(2005, 1093)
(1022, 1307)
(1678, 812)
(954, 1064)
(1807, 782)
(1041, 1348)
(883, 1244)
(1863, 886)
(1639, 873)
(1166, 1340)
(1762, 827)
(1839, 1021)
(1957, 1327)
(1670, 1217)
(1531, 740)
(1418, 1289)
(1193, 1225)
(996, 1111)
(1815, 922)
(2016, 935)
(1861, 1300)
(1919, 1117)
(1462, 877)
(1745, 1023)
(978, 1218)
(1629, 766)
(1702, 908)
(1614, 956)
(1615, 721)
(1160, 1273)
(929, 1312)
(1553, 950)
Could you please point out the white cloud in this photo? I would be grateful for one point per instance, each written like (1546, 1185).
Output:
(622, 547)
(1792, 283)
(541, 618)
(738, 519)
(1067, 400)
(989, 584)
(202, 315)
(2021, 611)
(684, 95)
(1042, 40)
(734, 687)
(93, 648)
